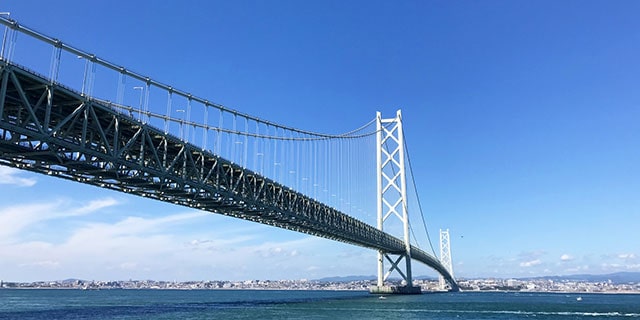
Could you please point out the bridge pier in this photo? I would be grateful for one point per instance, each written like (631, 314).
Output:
(394, 290)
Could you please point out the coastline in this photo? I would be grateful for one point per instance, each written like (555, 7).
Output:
(427, 286)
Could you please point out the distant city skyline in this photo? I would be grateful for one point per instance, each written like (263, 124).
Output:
(556, 285)
(521, 119)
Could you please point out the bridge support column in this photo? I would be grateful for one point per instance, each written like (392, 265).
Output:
(445, 256)
(394, 290)
(392, 202)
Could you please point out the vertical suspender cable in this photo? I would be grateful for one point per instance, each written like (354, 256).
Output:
(274, 161)
(335, 173)
(205, 129)
(186, 134)
(256, 151)
(325, 187)
(7, 32)
(168, 114)
(120, 91)
(219, 134)
(283, 151)
(84, 76)
(315, 169)
(349, 177)
(146, 101)
(292, 162)
(54, 66)
(246, 142)
(341, 174)
(267, 152)
(233, 140)
(298, 166)
(304, 158)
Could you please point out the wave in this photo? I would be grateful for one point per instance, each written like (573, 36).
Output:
(532, 313)
(487, 312)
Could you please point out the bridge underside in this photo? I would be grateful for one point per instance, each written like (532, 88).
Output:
(53, 130)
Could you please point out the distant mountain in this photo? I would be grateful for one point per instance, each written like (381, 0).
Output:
(364, 278)
(346, 278)
(65, 281)
(618, 277)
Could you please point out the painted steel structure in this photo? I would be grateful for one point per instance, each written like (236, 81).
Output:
(445, 256)
(48, 128)
(392, 197)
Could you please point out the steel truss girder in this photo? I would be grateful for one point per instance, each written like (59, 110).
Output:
(54, 130)
(74, 137)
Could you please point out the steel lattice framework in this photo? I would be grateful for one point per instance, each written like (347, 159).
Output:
(51, 129)
(445, 255)
(392, 193)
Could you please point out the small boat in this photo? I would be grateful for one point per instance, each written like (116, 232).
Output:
(382, 297)
(579, 299)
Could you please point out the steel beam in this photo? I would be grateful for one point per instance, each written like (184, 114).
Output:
(78, 138)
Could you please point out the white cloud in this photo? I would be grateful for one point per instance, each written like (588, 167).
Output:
(160, 248)
(531, 263)
(59, 238)
(283, 250)
(94, 206)
(627, 261)
(611, 266)
(122, 249)
(128, 265)
(44, 264)
(10, 176)
(531, 255)
(129, 226)
(16, 219)
(566, 257)
(627, 256)
(577, 269)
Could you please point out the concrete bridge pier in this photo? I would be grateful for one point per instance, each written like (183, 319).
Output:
(394, 290)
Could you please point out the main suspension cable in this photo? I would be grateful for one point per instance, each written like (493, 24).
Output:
(413, 181)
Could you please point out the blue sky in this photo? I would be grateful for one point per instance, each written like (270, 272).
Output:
(521, 118)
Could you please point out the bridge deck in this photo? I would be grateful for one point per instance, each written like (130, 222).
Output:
(51, 129)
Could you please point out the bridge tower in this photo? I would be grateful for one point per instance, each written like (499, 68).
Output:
(392, 202)
(445, 256)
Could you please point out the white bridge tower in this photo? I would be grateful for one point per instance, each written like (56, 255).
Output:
(445, 256)
(392, 201)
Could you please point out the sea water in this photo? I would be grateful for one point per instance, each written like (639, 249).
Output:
(288, 304)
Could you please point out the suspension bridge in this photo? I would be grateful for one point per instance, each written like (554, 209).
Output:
(88, 120)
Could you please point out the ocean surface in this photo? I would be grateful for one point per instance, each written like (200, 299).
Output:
(257, 304)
